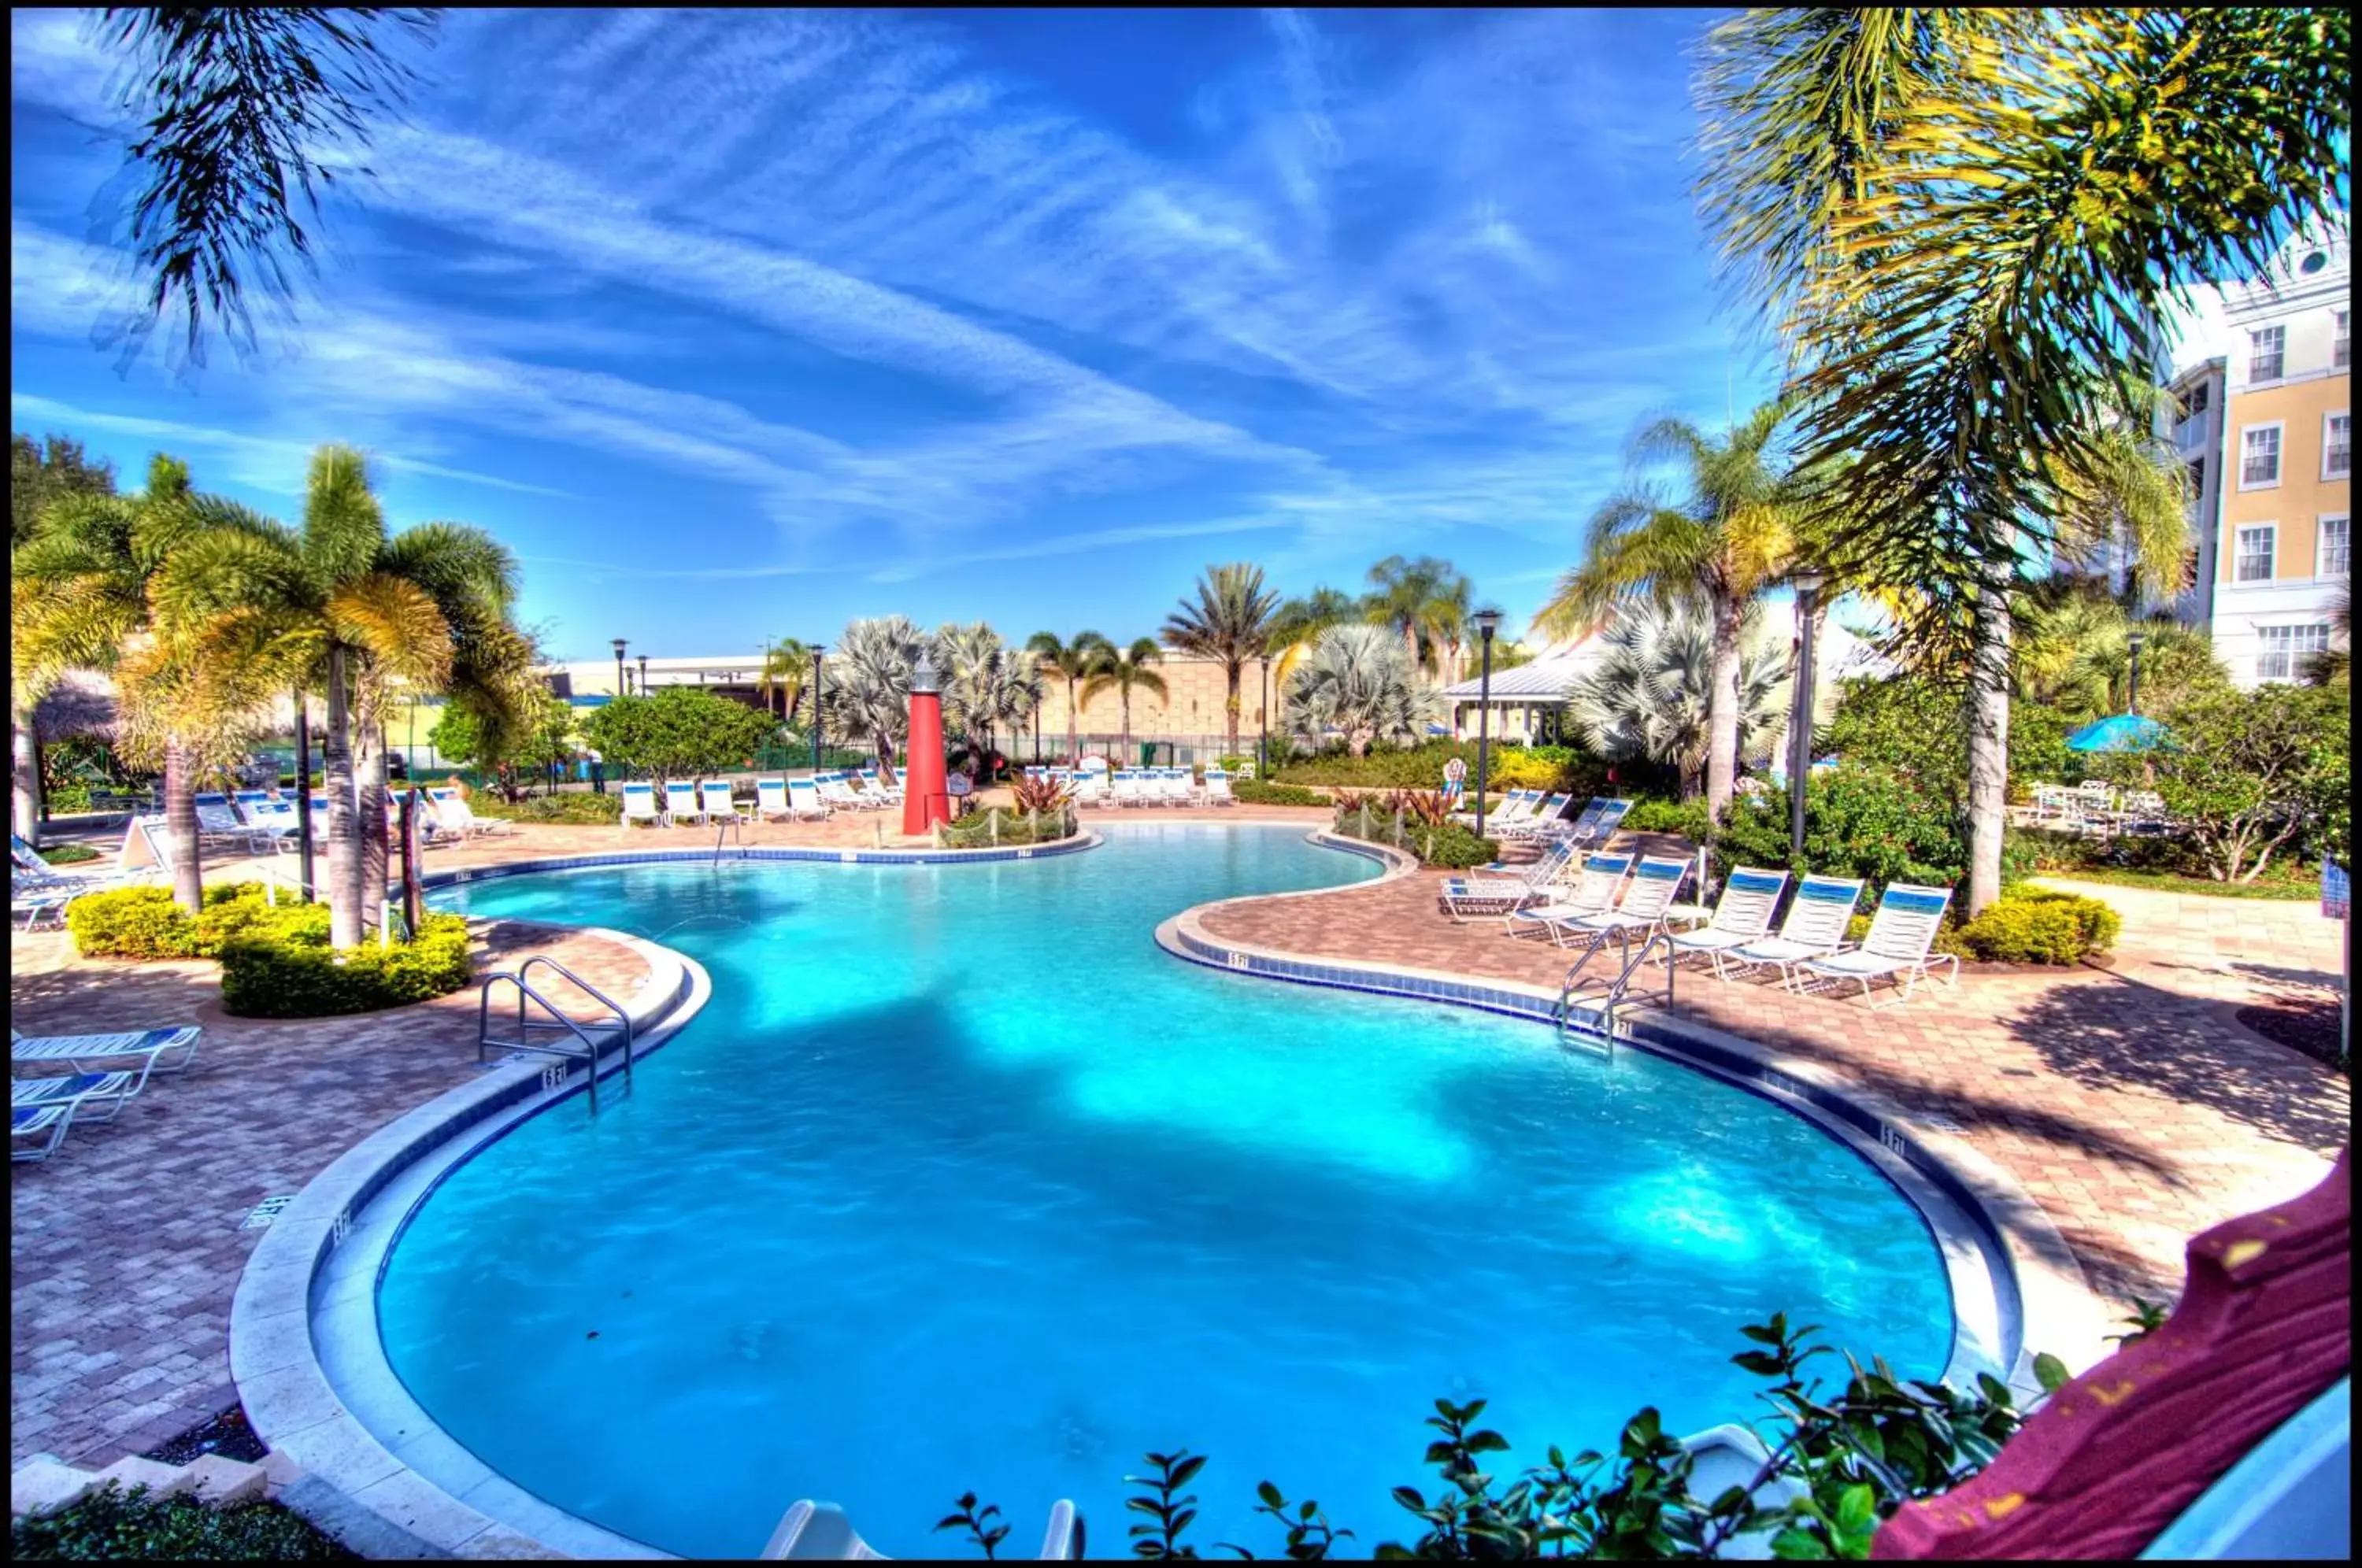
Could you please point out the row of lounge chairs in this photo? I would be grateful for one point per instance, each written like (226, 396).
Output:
(1584, 900)
(104, 1073)
(780, 800)
(1147, 787)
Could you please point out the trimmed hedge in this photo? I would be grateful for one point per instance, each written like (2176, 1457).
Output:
(113, 1524)
(288, 970)
(68, 853)
(599, 811)
(1685, 818)
(1255, 792)
(144, 922)
(1449, 845)
(2040, 925)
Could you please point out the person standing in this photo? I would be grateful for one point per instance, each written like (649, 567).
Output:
(1455, 782)
(598, 770)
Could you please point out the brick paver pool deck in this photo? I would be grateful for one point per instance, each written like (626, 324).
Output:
(2128, 1103)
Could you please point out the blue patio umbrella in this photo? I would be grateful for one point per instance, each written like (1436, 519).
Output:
(2124, 732)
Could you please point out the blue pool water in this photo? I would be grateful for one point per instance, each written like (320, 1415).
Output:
(960, 1183)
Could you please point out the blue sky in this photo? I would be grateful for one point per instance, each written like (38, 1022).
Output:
(737, 325)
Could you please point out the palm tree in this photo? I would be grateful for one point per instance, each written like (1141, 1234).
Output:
(1426, 602)
(338, 604)
(1649, 696)
(1296, 624)
(1071, 662)
(1719, 546)
(1230, 622)
(787, 669)
(1963, 224)
(986, 684)
(1360, 680)
(1121, 670)
(869, 691)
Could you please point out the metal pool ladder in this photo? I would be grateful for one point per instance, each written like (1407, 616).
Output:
(584, 1046)
(1618, 990)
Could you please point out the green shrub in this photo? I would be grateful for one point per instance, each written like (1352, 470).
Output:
(68, 853)
(1447, 844)
(1421, 768)
(2038, 925)
(999, 825)
(281, 967)
(1687, 818)
(111, 1523)
(1255, 792)
(144, 922)
(1858, 821)
(67, 799)
(599, 811)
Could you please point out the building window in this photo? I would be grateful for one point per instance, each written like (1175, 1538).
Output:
(2338, 350)
(2285, 649)
(2265, 355)
(2334, 550)
(2336, 446)
(2259, 464)
(2196, 401)
(2254, 561)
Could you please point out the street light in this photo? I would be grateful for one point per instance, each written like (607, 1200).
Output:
(2132, 696)
(1808, 580)
(619, 667)
(644, 675)
(817, 649)
(1487, 623)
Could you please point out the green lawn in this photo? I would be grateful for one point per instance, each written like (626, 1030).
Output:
(2297, 885)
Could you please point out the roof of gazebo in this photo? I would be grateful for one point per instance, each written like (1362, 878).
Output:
(1543, 681)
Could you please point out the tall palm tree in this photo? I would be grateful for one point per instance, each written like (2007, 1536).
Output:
(1426, 602)
(1296, 624)
(1121, 670)
(1070, 662)
(1964, 224)
(1229, 622)
(868, 690)
(787, 669)
(1360, 680)
(986, 684)
(337, 604)
(1648, 696)
(1717, 547)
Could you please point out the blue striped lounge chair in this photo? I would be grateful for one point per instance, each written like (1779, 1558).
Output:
(713, 795)
(1641, 913)
(1816, 927)
(1897, 947)
(1743, 914)
(1593, 890)
(640, 806)
(36, 1131)
(96, 1097)
(168, 1050)
(771, 801)
(1494, 897)
(803, 795)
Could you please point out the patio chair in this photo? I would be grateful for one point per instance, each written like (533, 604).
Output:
(889, 793)
(803, 798)
(1540, 823)
(1743, 914)
(1594, 889)
(640, 806)
(1127, 789)
(1218, 789)
(1601, 828)
(771, 801)
(837, 791)
(452, 811)
(1898, 946)
(33, 1121)
(156, 1048)
(713, 796)
(277, 818)
(1517, 805)
(219, 826)
(1816, 927)
(40, 901)
(318, 806)
(1482, 898)
(96, 1097)
(1640, 913)
(680, 803)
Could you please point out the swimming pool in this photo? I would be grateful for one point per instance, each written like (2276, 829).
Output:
(959, 1183)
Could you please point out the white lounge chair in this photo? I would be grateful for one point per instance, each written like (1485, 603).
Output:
(219, 826)
(318, 807)
(1127, 788)
(640, 806)
(1543, 823)
(1639, 914)
(1743, 914)
(1515, 805)
(803, 797)
(1218, 789)
(680, 803)
(840, 796)
(453, 812)
(713, 798)
(279, 819)
(771, 801)
(47, 1122)
(158, 1050)
(1480, 898)
(96, 1097)
(1594, 889)
(889, 793)
(1816, 927)
(1898, 946)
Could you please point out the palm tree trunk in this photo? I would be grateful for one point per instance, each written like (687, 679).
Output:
(1125, 693)
(1074, 728)
(181, 827)
(369, 811)
(1988, 726)
(1230, 705)
(25, 767)
(344, 830)
(1722, 708)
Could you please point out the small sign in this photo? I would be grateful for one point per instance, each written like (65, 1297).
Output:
(2336, 890)
(264, 1212)
(1236, 960)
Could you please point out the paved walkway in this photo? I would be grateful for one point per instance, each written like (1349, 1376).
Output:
(2127, 1103)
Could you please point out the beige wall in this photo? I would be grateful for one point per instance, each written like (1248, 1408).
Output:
(1196, 692)
(2302, 496)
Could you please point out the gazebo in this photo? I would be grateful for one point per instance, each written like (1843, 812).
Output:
(1526, 702)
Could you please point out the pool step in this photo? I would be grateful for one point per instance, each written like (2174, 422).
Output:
(810, 1530)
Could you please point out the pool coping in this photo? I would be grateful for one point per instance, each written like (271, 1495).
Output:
(1997, 1244)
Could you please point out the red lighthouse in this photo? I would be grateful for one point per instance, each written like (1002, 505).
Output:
(925, 801)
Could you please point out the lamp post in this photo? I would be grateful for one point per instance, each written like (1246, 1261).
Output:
(817, 649)
(1800, 726)
(2132, 695)
(619, 667)
(1487, 623)
(644, 675)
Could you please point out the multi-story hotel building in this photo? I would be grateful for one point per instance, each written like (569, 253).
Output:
(2267, 428)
